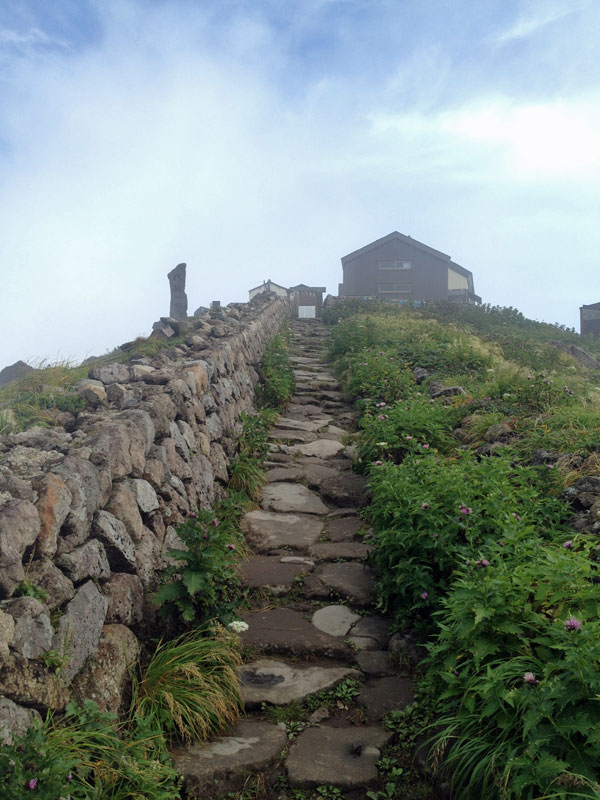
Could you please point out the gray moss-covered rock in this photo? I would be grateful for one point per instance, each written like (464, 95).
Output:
(78, 630)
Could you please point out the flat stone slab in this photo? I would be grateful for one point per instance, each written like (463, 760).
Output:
(334, 620)
(267, 530)
(268, 572)
(281, 630)
(329, 551)
(222, 766)
(310, 409)
(383, 695)
(343, 529)
(290, 498)
(268, 681)
(345, 490)
(315, 474)
(283, 474)
(322, 448)
(343, 757)
(288, 435)
(299, 424)
(353, 581)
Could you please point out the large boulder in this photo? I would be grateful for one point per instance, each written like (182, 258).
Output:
(19, 528)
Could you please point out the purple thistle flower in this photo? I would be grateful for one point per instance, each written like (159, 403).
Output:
(230, 546)
(529, 677)
(568, 544)
(214, 522)
(465, 510)
(408, 438)
(436, 536)
(573, 624)
(424, 506)
(501, 543)
(424, 595)
(382, 416)
(516, 516)
(69, 777)
(550, 466)
(484, 562)
(32, 783)
(425, 447)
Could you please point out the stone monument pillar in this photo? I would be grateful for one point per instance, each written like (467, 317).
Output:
(179, 302)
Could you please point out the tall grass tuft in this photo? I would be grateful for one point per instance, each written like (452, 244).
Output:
(191, 686)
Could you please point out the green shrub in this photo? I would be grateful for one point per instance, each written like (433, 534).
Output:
(432, 514)
(277, 376)
(87, 755)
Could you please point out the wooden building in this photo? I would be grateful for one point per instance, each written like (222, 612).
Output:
(399, 268)
(306, 301)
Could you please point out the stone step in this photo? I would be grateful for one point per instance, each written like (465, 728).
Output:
(268, 530)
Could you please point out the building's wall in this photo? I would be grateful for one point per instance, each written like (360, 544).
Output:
(456, 280)
(590, 320)
(280, 291)
(306, 298)
(427, 279)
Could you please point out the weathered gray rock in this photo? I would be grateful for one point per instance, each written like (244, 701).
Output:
(343, 529)
(283, 474)
(223, 765)
(117, 542)
(500, 432)
(110, 373)
(179, 302)
(15, 720)
(89, 491)
(375, 663)
(269, 681)
(144, 494)
(19, 528)
(332, 551)
(105, 676)
(45, 575)
(125, 594)
(18, 488)
(448, 391)
(31, 683)
(7, 632)
(291, 498)
(33, 632)
(123, 506)
(53, 505)
(343, 757)
(87, 561)
(79, 629)
(93, 392)
(334, 620)
(267, 530)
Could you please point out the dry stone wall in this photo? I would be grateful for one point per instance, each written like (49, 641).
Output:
(88, 510)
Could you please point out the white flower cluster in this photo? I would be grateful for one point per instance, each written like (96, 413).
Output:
(237, 626)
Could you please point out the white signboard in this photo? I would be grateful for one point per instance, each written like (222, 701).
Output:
(307, 312)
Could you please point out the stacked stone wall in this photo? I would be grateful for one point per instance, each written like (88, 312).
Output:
(88, 510)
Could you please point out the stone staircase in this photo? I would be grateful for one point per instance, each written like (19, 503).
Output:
(312, 625)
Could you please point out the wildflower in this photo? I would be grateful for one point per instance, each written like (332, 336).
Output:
(424, 506)
(484, 562)
(425, 447)
(424, 595)
(32, 783)
(408, 438)
(529, 677)
(436, 536)
(501, 543)
(230, 546)
(238, 626)
(418, 394)
(380, 405)
(192, 515)
(465, 510)
(550, 466)
(214, 522)
(382, 416)
(516, 516)
(377, 463)
(69, 777)
(568, 544)
(573, 624)
(381, 444)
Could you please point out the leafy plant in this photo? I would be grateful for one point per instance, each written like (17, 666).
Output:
(277, 376)
(203, 583)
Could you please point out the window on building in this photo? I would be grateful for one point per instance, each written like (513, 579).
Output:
(394, 264)
(394, 288)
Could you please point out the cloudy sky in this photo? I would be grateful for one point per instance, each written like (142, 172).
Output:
(260, 139)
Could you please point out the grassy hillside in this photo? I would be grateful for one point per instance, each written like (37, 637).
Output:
(472, 425)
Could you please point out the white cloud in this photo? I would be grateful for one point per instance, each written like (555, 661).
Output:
(544, 13)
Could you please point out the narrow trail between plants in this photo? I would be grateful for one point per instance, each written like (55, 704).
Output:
(319, 675)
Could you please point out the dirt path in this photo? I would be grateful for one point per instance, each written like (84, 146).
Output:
(312, 626)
